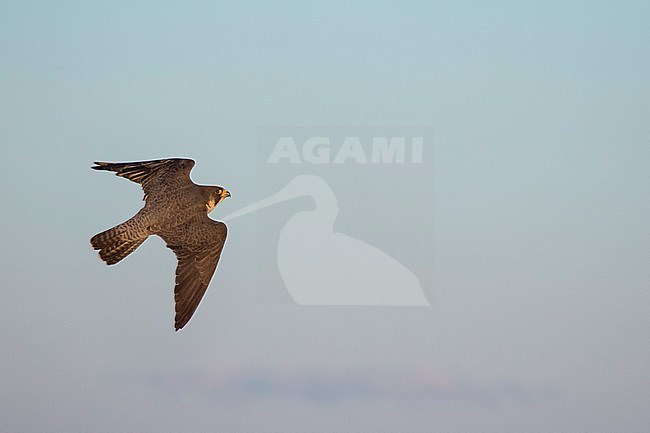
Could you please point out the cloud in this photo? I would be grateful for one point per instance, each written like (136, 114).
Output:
(333, 386)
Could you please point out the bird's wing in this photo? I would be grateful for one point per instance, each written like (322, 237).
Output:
(154, 176)
(197, 244)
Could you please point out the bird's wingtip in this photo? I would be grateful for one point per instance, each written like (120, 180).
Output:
(99, 165)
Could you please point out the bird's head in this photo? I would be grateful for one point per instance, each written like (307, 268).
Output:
(215, 195)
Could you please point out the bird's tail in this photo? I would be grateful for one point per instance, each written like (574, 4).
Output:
(116, 243)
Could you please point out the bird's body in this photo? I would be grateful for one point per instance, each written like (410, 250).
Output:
(176, 209)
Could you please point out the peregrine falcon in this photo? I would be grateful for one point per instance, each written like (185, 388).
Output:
(176, 209)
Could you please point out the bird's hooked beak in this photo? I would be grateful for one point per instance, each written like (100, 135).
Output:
(213, 202)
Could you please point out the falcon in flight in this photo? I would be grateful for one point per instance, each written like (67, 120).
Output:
(176, 209)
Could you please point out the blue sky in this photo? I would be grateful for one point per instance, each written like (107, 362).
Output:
(539, 276)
